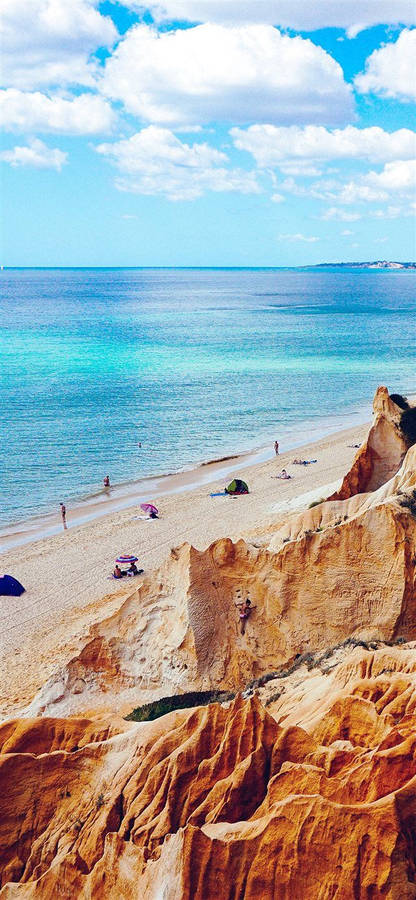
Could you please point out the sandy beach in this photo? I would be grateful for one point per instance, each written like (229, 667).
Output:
(66, 576)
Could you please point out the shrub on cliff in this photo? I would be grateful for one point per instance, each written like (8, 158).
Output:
(408, 501)
(399, 400)
(408, 424)
(165, 705)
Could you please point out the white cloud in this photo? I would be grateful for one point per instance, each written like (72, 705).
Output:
(278, 198)
(302, 15)
(239, 74)
(85, 114)
(294, 149)
(36, 154)
(346, 232)
(341, 215)
(47, 42)
(390, 71)
(390, 212)
(155, 161)
(297, 237)
(397, 179)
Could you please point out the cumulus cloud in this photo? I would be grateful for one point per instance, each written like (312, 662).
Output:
(301, 15)
(297, 237)
(397, 179)
(35, 154)
(238, 74)
(155, 161)
(390, 71)
(51, 41)
(85, 114)
(293, 149)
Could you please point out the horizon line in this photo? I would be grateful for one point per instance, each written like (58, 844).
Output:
(387, 262)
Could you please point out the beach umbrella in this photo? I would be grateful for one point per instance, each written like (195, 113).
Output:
(149, 508)
(125, 558)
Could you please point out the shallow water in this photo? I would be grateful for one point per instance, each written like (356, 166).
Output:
(195, 364)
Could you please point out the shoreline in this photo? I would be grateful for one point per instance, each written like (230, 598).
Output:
(128, 494)
(67, 576)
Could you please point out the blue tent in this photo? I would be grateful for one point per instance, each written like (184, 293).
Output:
(10, 587)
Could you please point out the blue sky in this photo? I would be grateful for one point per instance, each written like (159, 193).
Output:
(207, 132)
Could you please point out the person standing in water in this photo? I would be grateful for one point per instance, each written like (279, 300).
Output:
(63, 514)
(106, 481)
(276, 448)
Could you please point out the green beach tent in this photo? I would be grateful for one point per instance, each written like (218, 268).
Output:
(237, 486)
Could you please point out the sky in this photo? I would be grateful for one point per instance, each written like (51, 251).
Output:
(207, 132)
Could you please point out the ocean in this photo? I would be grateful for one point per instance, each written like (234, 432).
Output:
(193, 364)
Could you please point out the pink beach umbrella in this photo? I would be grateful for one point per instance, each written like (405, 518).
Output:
(126, 559)
(149, 508)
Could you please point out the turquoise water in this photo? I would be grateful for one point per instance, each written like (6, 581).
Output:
(193, 363)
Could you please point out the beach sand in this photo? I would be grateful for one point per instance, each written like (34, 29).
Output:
(66, 576)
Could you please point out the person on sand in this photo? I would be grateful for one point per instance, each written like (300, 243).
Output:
(276, 448)
(106, 481)
(117, 572)
(283, 475)
(63, 514)
(132, 570)
(245, 611)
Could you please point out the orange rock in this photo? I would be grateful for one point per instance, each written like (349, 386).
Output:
(216, 802)
(351, 571)
(381, 455)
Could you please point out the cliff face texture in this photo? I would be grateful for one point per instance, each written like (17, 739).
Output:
(342, 568)
(382, 453)
(304, 785)
(312, 796)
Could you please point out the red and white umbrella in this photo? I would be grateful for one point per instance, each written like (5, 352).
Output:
(125, 559)
(149, 508)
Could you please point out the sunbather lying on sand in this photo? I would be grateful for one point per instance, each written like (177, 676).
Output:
(303, 462)
(283, 475)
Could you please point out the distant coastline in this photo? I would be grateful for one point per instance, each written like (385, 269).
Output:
(376, 264)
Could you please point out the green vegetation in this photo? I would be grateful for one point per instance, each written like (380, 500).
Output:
(408, 501)
(316, 503)
(158, 708)
(408, 424)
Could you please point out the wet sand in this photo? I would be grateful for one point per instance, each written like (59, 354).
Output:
(66, 576)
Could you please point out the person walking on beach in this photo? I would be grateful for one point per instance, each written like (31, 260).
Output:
(276, 448)
(106, 481)
(63, 514)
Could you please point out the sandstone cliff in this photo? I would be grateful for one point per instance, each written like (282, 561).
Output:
(302, 786)
(342, 568)
(313, 796)
(381, 455)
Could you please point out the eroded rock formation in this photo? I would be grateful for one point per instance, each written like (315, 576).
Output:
(381, 455)
(313, 796)
(342, 568)
(304, 785)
